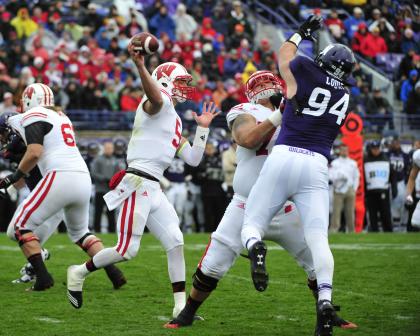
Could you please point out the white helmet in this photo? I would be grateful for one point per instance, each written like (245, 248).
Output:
(254, 92)
(167, 73)
(37, 94)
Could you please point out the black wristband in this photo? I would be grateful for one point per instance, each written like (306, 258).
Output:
(19, 174)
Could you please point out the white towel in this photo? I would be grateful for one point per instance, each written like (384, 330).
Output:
(124, 189)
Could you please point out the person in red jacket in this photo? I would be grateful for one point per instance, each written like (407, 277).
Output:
(359, 36)
(373, 44)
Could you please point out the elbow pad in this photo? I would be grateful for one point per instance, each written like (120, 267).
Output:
(193, 155)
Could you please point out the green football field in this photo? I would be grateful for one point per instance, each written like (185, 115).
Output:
(377, 284)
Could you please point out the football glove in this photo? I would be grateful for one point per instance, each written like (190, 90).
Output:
(312, 24)
(10, 179)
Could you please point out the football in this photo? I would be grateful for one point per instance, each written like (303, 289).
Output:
(145, 43)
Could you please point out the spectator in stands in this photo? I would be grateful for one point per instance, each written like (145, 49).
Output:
(373, 44)
(233, 64)
(237, 16)
(60, 96)
(111, 95)
(220, 23)
(130, 99)
(380, 22)
(207, 32)
(219, 94)
(210, 67)
(23, 24)
(231, 100)
(7, 104)
(260, 55)
(234, 40)
(379, 110)
(102, 169)
(92, 19)
(359, 37)
(185, 23)
(408, 85)
(74, 28)
(406, 65)
(413, 107)
(75, 102)
(352, 23)
(344, 175)
(394, 46)
(133, 27)
(162, 22)
(408, 42)
(335, 25)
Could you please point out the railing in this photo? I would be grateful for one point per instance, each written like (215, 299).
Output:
(123, 121)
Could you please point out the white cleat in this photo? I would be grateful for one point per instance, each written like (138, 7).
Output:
(75, 286)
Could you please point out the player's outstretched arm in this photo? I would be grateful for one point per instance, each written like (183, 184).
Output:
(154, 97)
(247, 133)
(410, 184)
(193, 155)
(289, 48)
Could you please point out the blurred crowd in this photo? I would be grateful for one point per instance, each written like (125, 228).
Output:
(79, 48)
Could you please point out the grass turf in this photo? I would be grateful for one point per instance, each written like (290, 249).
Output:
(376, 282)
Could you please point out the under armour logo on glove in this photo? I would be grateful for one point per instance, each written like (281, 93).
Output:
(312, 24)
(203, 137)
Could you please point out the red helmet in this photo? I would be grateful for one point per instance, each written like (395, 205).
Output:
(252, 90)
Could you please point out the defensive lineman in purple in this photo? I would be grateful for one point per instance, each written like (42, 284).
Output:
(317, 102)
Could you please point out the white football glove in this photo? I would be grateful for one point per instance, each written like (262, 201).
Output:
(409, 200)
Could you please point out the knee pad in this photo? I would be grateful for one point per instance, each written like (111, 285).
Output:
(87, 241)
(203, 282)
(23, 240)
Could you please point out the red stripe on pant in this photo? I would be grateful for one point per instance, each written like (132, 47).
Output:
(130, 223)
(40, 200)
(124, 212)
(205, 252)
(37, 191)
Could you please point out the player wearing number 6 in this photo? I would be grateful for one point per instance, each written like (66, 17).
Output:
(65, 184)
(155, 140)
(317, 101)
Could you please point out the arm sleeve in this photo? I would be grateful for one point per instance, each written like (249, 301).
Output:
(191, 155)
(35, 133)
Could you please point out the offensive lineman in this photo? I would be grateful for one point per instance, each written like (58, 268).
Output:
(415, 219)
(297, 168)
(254, 127)
(155, 139)
(50, 144)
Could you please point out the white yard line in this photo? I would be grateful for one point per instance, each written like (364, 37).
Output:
(47, 319)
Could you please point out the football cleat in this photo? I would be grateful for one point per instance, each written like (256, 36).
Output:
(180, 321)
(75, 287)
(27, 273)
(259, 274)
(325, 318)
(43, 283)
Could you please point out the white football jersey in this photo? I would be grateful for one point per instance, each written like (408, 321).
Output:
(60, 152)
(250, 161)
(155, 138)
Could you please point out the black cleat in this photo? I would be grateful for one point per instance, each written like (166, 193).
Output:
(75, 298)
(43, 283)
(325, 318)
(258, 272)
(182, 320)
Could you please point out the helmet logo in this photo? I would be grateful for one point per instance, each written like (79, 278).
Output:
(29, 92)
(165, 70)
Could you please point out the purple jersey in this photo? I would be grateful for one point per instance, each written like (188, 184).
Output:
(323, 102)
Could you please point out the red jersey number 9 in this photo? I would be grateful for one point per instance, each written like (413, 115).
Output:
(68, 135)
(178, 135)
